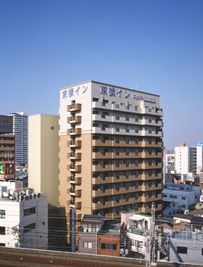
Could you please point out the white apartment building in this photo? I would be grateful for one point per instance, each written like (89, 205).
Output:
(110, 151)
(169, 162)
(43, 157)
(20, 130)
(185, 159)
(138, 229)
(23, 217)
(179, 197)
(199, 157)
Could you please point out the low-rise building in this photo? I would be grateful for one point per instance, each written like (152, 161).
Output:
(87, 237)
(138, 227)
(179, 197)
(97, 236)
(186, 246)
(109, 241)
(23, 217)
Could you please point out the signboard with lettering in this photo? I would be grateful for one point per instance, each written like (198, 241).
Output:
(7, 170)
(2, 169)
(74, 91)
(127, 94)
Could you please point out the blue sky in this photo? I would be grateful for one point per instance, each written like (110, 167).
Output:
(153, 45)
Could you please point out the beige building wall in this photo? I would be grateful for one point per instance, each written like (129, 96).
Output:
(43, 151)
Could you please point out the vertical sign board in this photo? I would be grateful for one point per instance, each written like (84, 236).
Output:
(2, 170)
(9, 170)
(72, 229)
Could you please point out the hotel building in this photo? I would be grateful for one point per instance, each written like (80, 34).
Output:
(110, 151)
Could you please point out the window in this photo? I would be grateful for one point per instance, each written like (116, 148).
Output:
(182, 250)
(202, 251)
(29, 227)
(2, 245)
(2, 214)
(109, 246)
(87, 245)
(2, 230)
(29, 211)
(183, 198)
(172, 196)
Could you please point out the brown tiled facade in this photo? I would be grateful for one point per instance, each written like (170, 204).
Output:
(109, 244)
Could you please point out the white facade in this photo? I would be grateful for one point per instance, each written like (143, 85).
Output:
(169, 162)
(180, 196)
(23, 217)
(138, 228)
(20, 130)
(185, 159)
(186, 247)
(199, 157)
(118, 99)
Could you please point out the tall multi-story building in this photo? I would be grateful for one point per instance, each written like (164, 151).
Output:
(7, 148)
(185, 159)
(43, 156)
(199, 148)
(110, 151)
(20, 130)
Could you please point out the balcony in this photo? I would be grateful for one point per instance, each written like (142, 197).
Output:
(152, 155)
(74, 119)
(74, 155)
(78, 217)
(146, 177)
(152, 166)
(75, 168)
(102, 205)
(102, 143)
(119, 167)
(74, 131)
(151, 188)
(100, 193)
(74, 107)
(78, 205)
(78, 192)
(76, 143)
(114, 155)
(151, 144)
(78, 180)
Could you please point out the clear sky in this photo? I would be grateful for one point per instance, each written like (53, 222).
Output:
(154, 46)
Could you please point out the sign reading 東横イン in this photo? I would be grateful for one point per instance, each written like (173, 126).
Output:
(111, 91)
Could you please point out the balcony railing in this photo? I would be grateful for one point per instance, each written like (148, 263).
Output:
(74, 107)
(76, 143)
(74, 131)
(74, 119)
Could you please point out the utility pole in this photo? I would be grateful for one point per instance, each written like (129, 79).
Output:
(150, 241)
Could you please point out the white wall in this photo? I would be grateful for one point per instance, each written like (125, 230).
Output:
(15, 220)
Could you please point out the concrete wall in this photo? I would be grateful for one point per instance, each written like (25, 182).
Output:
(43, 155)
